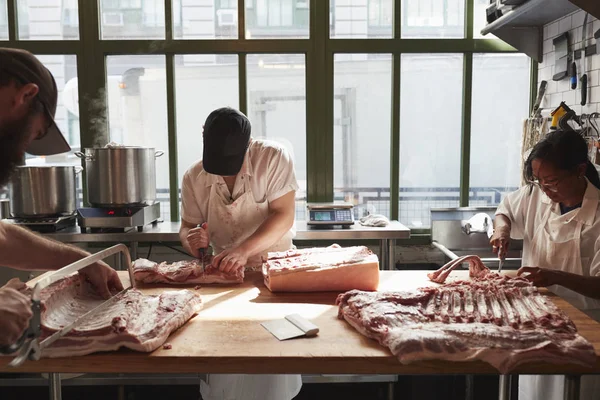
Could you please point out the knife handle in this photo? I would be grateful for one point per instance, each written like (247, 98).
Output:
(583, 81)
(573, 76)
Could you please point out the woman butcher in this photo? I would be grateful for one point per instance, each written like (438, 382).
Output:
(558, 218)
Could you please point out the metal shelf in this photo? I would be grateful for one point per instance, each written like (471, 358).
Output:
(523, 27)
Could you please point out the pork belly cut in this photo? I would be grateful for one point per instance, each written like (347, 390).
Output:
(332, 268)
(133, 320)
(183, 273)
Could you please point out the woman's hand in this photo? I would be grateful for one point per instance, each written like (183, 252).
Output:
(500, 241)
(539, 276)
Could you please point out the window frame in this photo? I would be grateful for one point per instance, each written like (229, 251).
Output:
(319, 50)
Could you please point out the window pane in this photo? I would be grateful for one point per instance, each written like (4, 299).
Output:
(196, 75)
(433, 19)
(430, 131)
(362, 19)
(137, 111)
(64, 70)
(500, 82)
(362, 123)
(201, 19)
(277, 19)
(48, 19)
(277, 108)
(480, 21)
(3, 20)
(132, 19)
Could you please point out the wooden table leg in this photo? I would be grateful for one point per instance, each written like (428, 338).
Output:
(572, 386)
(55, 386)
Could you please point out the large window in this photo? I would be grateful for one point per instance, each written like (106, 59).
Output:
(277, 108)
(362, 102)
(273, 19)
(371, 113)
(498, 81)
(430, 132)
(47, 20)
(3, 20)
(433, 19)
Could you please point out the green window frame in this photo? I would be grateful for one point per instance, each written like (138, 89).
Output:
(319, 50)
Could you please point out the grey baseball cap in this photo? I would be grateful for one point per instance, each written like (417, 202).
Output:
(26, 68)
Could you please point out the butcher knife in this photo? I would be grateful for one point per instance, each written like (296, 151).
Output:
(292, 326)
(500, 258)
(29, 346)
(202, 250)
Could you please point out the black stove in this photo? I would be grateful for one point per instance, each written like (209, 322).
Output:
(45, 224)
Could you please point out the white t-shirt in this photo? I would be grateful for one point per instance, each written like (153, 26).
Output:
(267, 165)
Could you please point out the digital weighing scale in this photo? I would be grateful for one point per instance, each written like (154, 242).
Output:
(329, 215)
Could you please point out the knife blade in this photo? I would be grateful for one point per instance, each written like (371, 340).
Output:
(202, 250)
(500, 258)
(202, 253)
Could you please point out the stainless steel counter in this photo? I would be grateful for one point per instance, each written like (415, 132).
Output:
(169, 232)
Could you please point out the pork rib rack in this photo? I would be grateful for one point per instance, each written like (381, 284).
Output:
(502, 321)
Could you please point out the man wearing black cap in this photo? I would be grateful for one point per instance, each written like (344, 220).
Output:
(242, 195)
(28, 97)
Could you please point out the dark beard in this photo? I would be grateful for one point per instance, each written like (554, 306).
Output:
(13, 141)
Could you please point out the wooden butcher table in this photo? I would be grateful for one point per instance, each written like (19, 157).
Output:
(226, 337)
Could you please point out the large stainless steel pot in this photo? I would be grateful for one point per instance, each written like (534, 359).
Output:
(120, 176)
(40, 191)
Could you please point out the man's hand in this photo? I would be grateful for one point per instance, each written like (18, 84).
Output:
(15, 313)
(230, 261)
(15, 283)
(198, 238)
(103, 278)
(500, 241)
(539, 276)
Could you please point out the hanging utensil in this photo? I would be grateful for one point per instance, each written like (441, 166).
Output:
(584, 77)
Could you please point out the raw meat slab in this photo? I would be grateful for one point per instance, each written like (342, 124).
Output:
(332, 268)
(182, 273)
(502, 321)
(136, 321)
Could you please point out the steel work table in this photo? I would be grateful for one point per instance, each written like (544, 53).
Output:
(169, 232)
(226, 337)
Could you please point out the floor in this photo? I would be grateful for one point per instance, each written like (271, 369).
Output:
(407, 388)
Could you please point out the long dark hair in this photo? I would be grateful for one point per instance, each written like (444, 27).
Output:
(565, 150)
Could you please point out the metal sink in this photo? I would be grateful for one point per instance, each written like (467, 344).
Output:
(448, 234)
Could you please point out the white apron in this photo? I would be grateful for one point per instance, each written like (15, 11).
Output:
(565, 255)
(229, 224)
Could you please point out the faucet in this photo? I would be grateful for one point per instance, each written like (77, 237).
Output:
(479, 223)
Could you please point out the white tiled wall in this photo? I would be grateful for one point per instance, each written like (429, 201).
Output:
(561, 90)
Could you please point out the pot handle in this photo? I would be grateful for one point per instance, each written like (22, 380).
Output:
(158, 153)
(83, 156)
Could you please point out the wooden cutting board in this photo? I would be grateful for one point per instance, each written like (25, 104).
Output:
(226, 337)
